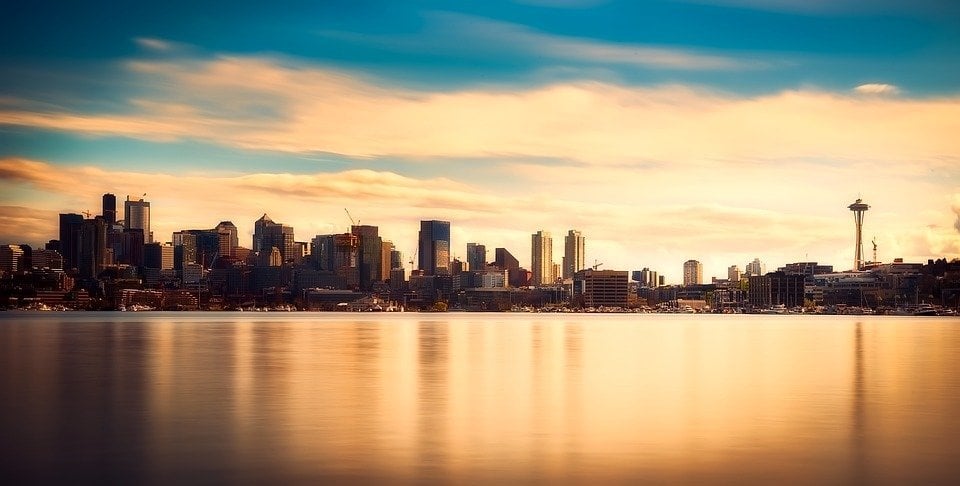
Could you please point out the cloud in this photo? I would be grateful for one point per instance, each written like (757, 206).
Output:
(21, 224)
(154, 44)
(263, 104)
(879, 89)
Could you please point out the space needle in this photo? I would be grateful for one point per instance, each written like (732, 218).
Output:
(858, 208)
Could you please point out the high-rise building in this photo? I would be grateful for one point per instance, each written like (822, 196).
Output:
(70, 225)
(158, 256)
(93, 247)
(434, 248)
(756, 267)
(386, 259)
(136, 215)
(692, 272)
(733, 273)
(573, 253)
(109, 210)
(541, 258)
(268, 234)
(230, 238)
(476, 256)
(370, 254)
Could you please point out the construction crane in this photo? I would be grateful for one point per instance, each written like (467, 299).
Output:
(86, 213)
(874, 241)
(355, 223)
(596, 265)
(414, 257)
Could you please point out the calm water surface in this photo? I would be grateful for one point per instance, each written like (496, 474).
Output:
(478, 398)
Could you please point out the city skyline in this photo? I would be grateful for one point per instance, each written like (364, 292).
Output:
(745, 139)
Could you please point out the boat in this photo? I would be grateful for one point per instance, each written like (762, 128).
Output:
(925, 310)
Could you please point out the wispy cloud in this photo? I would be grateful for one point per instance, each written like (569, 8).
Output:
(879, 89)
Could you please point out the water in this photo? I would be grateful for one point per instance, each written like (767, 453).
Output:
(186, 398)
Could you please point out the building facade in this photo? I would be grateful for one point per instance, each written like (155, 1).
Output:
(692, 272)
(600, 288)
(573, 253)
(434, 247)
(136, 215)
(541, 258)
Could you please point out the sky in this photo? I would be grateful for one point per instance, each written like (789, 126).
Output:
(715, 130)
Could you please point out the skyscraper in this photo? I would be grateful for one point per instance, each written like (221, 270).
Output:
(267, 235)
(70, 239)
(541, 257)
(136, 215)
(434, 248)
(370, 254)
(476, 256)
(692, 272)
(232, 239)
(109, 210)
(573, 253)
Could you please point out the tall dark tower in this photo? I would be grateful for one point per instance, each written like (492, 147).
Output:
(434, 249)
(858, 208)
(109, 210)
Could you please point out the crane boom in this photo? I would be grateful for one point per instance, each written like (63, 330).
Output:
(351, 217)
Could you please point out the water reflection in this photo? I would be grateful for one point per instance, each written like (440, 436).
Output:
(474, 399)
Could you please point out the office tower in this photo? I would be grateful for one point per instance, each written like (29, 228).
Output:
(136, 215)
(158, 256)
(756, 267)
(476, 256)
(230, 238)
(386, 259)
(93, 247)
(184, 249)
(268, 234)
(70, 239)
(541, 259)
(109, 210)
(370, 254)
(858, 208)
(130, 247)
(396, 259)
(692, 272)
(434, 248)
(733, 273)
(259, 228)
(600, 288)
(322, 252)
(346, 248)
(573, 253)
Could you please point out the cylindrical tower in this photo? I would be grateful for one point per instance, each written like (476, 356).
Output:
(858, 208)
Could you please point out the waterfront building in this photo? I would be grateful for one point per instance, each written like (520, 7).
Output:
(136, 215)
(541, 259)
(573, 253)
(434, 247)
(600, 288)
(692, 272)
(776, 288)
